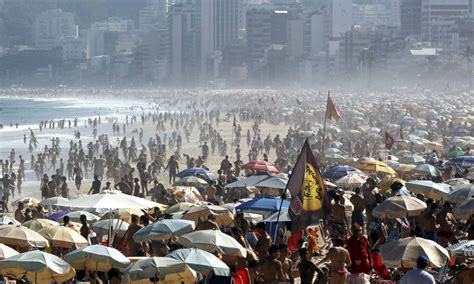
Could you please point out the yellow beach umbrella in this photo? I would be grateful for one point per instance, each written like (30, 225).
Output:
(385, 184)
(22, 237)
(63, 237)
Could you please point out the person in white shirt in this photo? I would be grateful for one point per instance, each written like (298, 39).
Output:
(419, 275)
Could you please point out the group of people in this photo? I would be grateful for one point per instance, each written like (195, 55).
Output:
(144, 153)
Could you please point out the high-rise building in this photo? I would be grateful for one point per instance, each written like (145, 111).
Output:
(279, 29)
(258, 30)
(319, 36)
(438, 17)
(184, 38)
(340, 13)
(219, 27)
(410, 18)
(51, 26)
(153, 16)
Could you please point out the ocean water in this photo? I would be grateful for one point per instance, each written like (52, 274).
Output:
(27, 111)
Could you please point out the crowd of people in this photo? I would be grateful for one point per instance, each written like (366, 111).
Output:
(142, 155)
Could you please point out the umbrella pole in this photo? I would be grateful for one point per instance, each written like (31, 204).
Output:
(324, 131)
(36, 277)
(110, 228)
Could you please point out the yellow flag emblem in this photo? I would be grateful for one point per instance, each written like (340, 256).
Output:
(312, 191)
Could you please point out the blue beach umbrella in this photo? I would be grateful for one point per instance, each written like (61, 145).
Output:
(199, 172)
(264, 204)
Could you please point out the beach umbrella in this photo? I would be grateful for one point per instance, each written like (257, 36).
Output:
(199, 172)
(201, 261)
(58, 215)
(213, 241)
(6, 251)
(222, 214)
(112, 200)
(122, 213)
(336, 172)
(436, 191)
(333, 151)
(351, 181)
(187, 193)
(412, 160)
(455, 153)
(399, 207)
(180, 206)
(403, 153)
(403, 168)
(253, 217)
(465, 162)
(56, 201)
(260, 166)
(191, 181)
(284, 217)
(462, 193)
(427, 170)
(37, 224)
(97, 258)
(273, 182)
(462, 248)
(75, 216)
(164, 230)
(330, 184)
(37, 266)
(334, 157)
(460, 132)
(264, 204)
(404, 253)
(246, 182)
(7, 220)
(465, 210)
(22, 237)
(63, 237)
(164, 269)
(387, 183)
(103, 226)
(435, 146)
(456, 181)
(372, 165)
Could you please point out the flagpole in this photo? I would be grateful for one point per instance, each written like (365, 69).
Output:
(324, 130)
(283, 197)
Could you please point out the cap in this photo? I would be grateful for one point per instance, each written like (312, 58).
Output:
(422, 260)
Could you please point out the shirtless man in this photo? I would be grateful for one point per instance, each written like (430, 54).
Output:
(264, 241)
(286, 263)
(306, 267)
(339, 258)
(429, 223)
(123, 187)
(339, 221)
(447, 225)
(270, 269)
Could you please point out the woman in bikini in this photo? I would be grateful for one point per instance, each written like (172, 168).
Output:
(338, 258)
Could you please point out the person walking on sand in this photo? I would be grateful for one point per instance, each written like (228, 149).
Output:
(173, 168)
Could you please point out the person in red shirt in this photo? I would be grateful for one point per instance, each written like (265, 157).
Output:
(359, 251)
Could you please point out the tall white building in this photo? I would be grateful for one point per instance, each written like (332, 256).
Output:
(51, 26)
(219, 26)
(340, 14)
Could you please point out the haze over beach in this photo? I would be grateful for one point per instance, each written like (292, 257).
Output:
(237, 141)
